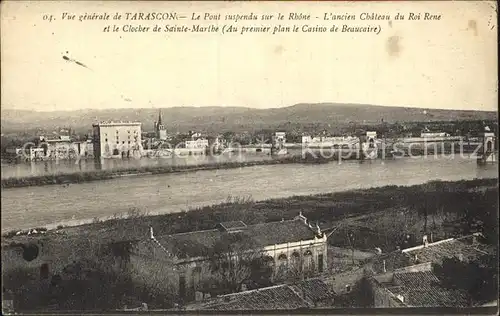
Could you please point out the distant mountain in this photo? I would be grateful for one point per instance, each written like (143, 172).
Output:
(234, 118)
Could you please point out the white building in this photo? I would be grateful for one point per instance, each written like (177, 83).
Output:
(279, 139)
(306, 139)
(181, 262)
(197, 143)
(117, 139)
(433, 134)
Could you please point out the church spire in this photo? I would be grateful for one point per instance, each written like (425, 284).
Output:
(159, 118)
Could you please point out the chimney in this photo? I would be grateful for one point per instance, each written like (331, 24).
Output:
(424, 240)
(318, 229)
(151, 233)
(301, 217)
(401, 298)
(385, 270)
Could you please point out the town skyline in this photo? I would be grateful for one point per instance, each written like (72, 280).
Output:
(446, 64)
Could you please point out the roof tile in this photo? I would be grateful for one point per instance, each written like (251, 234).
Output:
(276, 297)
(424, 289)
(198, 243)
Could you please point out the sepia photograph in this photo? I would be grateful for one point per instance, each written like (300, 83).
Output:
(285, 157)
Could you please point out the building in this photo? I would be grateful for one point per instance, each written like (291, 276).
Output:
(345, 142)
(409, 278)
(59, 147)
(433, 134)
(279, 139)
(117, 139)
(488, 152)
(426, 133)
(313, 293)
(160, 131)
(199, 143)
(415, 286)
(180, 263)
(306, 139)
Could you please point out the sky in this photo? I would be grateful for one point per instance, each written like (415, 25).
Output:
(450, 63)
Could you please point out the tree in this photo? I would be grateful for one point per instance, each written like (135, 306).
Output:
(478, 278)
(235, 259)
(350, 239)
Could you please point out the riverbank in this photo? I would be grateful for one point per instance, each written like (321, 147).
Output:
(312, 156)
(385, 217)
(88, 176)
(446, 197)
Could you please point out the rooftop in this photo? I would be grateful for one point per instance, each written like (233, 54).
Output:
(110, 123)
(198, 243)
(418, 286)
(423, 289)
(466, 248)
(270, 298)
(314, 290)
(229, 226)
(304, 294)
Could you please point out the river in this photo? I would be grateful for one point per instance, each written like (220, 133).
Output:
(41, 168)
(29, 207)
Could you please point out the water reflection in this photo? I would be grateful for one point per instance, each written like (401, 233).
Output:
(40, 168)
(34, 206)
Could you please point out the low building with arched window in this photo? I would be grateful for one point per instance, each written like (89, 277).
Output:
(184, 263)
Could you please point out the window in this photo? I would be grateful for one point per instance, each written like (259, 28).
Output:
(295, 262)
(282, 266)
(348, 288)
(196, 277)
(489, 146)
(308, 261)
(320, 263)
(182, 286)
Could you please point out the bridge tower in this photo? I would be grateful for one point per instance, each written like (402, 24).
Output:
(369, 147)
(488, 152)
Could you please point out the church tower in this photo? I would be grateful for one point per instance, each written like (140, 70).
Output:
(161, 132)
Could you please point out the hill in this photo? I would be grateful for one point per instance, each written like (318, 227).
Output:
(234, 118)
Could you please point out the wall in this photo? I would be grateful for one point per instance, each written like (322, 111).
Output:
(29, 279)
(382, 298)
(114, 138)
(316, 247)
(154, 268)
